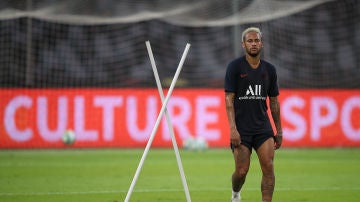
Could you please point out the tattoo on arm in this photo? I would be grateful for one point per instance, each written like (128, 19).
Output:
(275, 112)
(229, 101)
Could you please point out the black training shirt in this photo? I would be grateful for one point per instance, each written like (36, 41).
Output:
(251, 87)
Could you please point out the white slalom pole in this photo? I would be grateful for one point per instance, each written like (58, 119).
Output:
(168, 120)
(177, 73)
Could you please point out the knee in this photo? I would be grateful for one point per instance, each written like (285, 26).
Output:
(268, 168)
(241, 171)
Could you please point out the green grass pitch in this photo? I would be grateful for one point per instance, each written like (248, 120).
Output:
(104, 175)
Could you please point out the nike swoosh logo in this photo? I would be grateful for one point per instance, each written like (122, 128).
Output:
(243, 75)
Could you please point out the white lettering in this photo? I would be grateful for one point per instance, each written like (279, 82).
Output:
(132, 118)
(42, 119)
(290, 115)
(346, 123)
(79, 122)
(250, 91)
(108, 103)
(205, 117)
(318, 120)
(10, 120)
(180, 118)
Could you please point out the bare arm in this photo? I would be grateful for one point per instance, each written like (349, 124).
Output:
(234, 134)
(275, 113)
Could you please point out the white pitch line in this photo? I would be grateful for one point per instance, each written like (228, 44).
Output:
(174, 190)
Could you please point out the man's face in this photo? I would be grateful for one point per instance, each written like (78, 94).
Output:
(252, 44)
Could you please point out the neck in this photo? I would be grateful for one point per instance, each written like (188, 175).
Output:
(253, 61)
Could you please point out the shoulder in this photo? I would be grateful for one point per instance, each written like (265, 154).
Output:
(270, 67)
(237, 61)
(236, 64)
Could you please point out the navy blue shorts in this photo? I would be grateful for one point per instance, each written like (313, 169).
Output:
(255, 140)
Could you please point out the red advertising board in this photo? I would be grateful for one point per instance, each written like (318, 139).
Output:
(37, 118)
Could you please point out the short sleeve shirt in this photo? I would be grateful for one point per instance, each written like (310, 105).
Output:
(251, 88)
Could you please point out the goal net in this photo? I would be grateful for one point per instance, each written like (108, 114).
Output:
(101, 43)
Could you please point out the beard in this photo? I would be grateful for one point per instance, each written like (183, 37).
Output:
(253, 53)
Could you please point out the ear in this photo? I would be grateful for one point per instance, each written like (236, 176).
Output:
(243, 44)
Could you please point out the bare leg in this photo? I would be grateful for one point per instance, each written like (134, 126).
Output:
(242, 163)
(266, 158)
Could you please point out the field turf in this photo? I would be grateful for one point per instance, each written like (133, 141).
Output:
(104, 175)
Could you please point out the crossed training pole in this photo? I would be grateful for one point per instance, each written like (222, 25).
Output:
(162, 111)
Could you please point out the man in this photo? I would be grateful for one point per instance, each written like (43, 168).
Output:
(249, 81)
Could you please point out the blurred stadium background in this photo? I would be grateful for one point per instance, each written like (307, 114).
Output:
(83, 65)
(88, 44)
(100, 43)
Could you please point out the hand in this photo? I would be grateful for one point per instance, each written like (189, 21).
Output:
(235, 138)
(278, 140)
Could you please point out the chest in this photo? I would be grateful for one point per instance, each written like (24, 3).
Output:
(253, 80)
(249, 75)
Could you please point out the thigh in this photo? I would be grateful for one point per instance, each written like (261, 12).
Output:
(242, 157)
(266, 154)
(260, 138)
